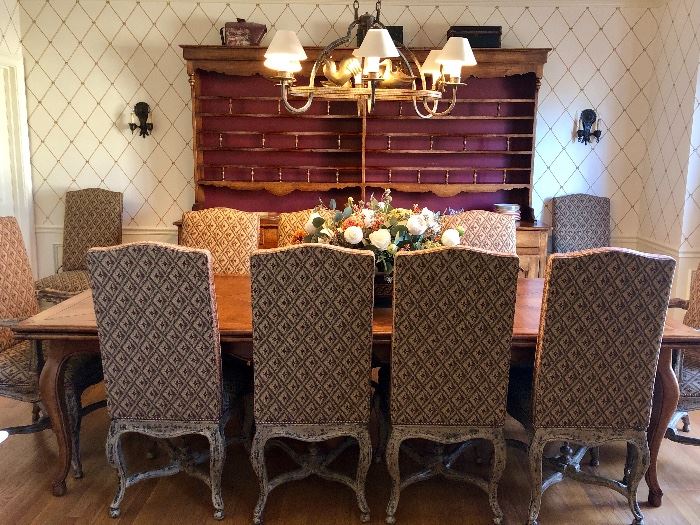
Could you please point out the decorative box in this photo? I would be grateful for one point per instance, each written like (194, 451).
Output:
(241, 33)
(479, 36)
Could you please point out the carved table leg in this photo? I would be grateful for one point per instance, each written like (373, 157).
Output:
(52, 387)
(666, 395)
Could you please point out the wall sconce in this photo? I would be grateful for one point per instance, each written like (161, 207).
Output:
(588, 126)
(142, 112)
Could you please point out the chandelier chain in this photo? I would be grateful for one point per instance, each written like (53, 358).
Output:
(378, 7)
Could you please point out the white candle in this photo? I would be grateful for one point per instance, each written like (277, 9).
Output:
(132, 118)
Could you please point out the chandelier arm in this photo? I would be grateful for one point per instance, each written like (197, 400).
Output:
(285, 87)
(447, 111)
(418, 111)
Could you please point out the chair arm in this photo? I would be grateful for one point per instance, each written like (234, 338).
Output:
(9, 323)
(678, 303)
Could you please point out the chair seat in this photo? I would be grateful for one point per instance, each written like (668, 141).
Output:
(520, 395)
(70, 283)
(19, 378)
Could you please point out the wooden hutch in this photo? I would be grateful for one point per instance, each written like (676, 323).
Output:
(251, 154)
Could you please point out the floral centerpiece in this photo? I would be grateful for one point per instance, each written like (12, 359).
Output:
(378, 226)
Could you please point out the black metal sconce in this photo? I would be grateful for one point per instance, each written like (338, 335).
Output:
(588, 126)
(142, 112)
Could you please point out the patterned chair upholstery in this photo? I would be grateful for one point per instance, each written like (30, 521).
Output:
(580, 222)
(603, 314)
(687, 367)
(159, 338)
(486, 230)
(21, 361)
(312, 348)
(93, 218)
(230, 235)
(290, 223)
(453, 323)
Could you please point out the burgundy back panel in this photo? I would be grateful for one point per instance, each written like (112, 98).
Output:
(246, 135)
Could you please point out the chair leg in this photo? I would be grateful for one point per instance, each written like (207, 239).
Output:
(595, 456)
(499, 464)
(535, 459)
(36, 412)
(382, 413)
(686, 423)
(392, 461)
(217, 458)
(248, 420)
(257, 459)
(640, 463)
(364, 460)
(115, 456)
(75, 419)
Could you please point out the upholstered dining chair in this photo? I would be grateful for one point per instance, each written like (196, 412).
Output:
(602, 320)
(312, 348)
(292, 222)
(93, 218)
(486, 230)
(687, 368)
(230, 235)
(21, 361)
(453, 323)
(159, 339)
(580, 222)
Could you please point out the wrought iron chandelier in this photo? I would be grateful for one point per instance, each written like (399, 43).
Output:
(370, 75)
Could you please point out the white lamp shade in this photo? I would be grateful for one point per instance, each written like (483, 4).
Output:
(431, 66)
(283, 64)
(457, 49)
(377, 43)
(285, 44)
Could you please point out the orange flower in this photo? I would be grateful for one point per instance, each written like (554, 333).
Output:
(298, 237)
(353, 220)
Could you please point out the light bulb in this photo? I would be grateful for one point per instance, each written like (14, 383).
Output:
(371, 65)
(283, 64)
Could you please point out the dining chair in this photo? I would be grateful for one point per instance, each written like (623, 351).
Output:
(159, 338)
(93, 218)
(580, 222)
(290, 223)
(21, 361)
(687, 368)
(312, 349)
(486, 230)
(230, 235)
(453, 323)
(602, 319)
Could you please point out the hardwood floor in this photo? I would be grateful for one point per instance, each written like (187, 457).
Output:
(26, 463)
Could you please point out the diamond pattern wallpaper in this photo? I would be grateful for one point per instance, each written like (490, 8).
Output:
(691, 221)
(10, 43)
(87, 62)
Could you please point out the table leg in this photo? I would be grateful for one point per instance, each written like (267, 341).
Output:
(52, 387)
(666, 395)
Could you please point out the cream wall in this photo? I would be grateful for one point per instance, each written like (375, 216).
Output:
(87, 62)
(10, 28)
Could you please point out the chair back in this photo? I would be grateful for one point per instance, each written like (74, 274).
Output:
(93, 218)
(603, 314)
(580, 222)
(17, 295)
(158, 330)
(292, 222)
(312, 334)
(453, 324)
(687, 364)
(486, 230)
(230, 235)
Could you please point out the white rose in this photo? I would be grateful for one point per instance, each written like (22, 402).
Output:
(381, 239)
(450, 237)
(368, 216)
(309, 226)
(328, 233)
(353, 235)
(416, 225)
(392, 248)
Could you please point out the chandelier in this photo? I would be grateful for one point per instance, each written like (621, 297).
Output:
(370, 74)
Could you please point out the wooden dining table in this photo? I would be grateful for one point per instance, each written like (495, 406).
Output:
(70, 328)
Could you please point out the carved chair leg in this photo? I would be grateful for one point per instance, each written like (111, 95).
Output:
(74, 418)
(629, 463)
(365, 458)
(595, 456)
(392, 461)
(217, 457)
(36, 412)
(499, 464)
(115, 456)
(686, 422)
(535, 459)
(640, 463)
(257, 459)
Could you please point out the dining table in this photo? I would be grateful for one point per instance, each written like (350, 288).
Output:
(70, 327)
